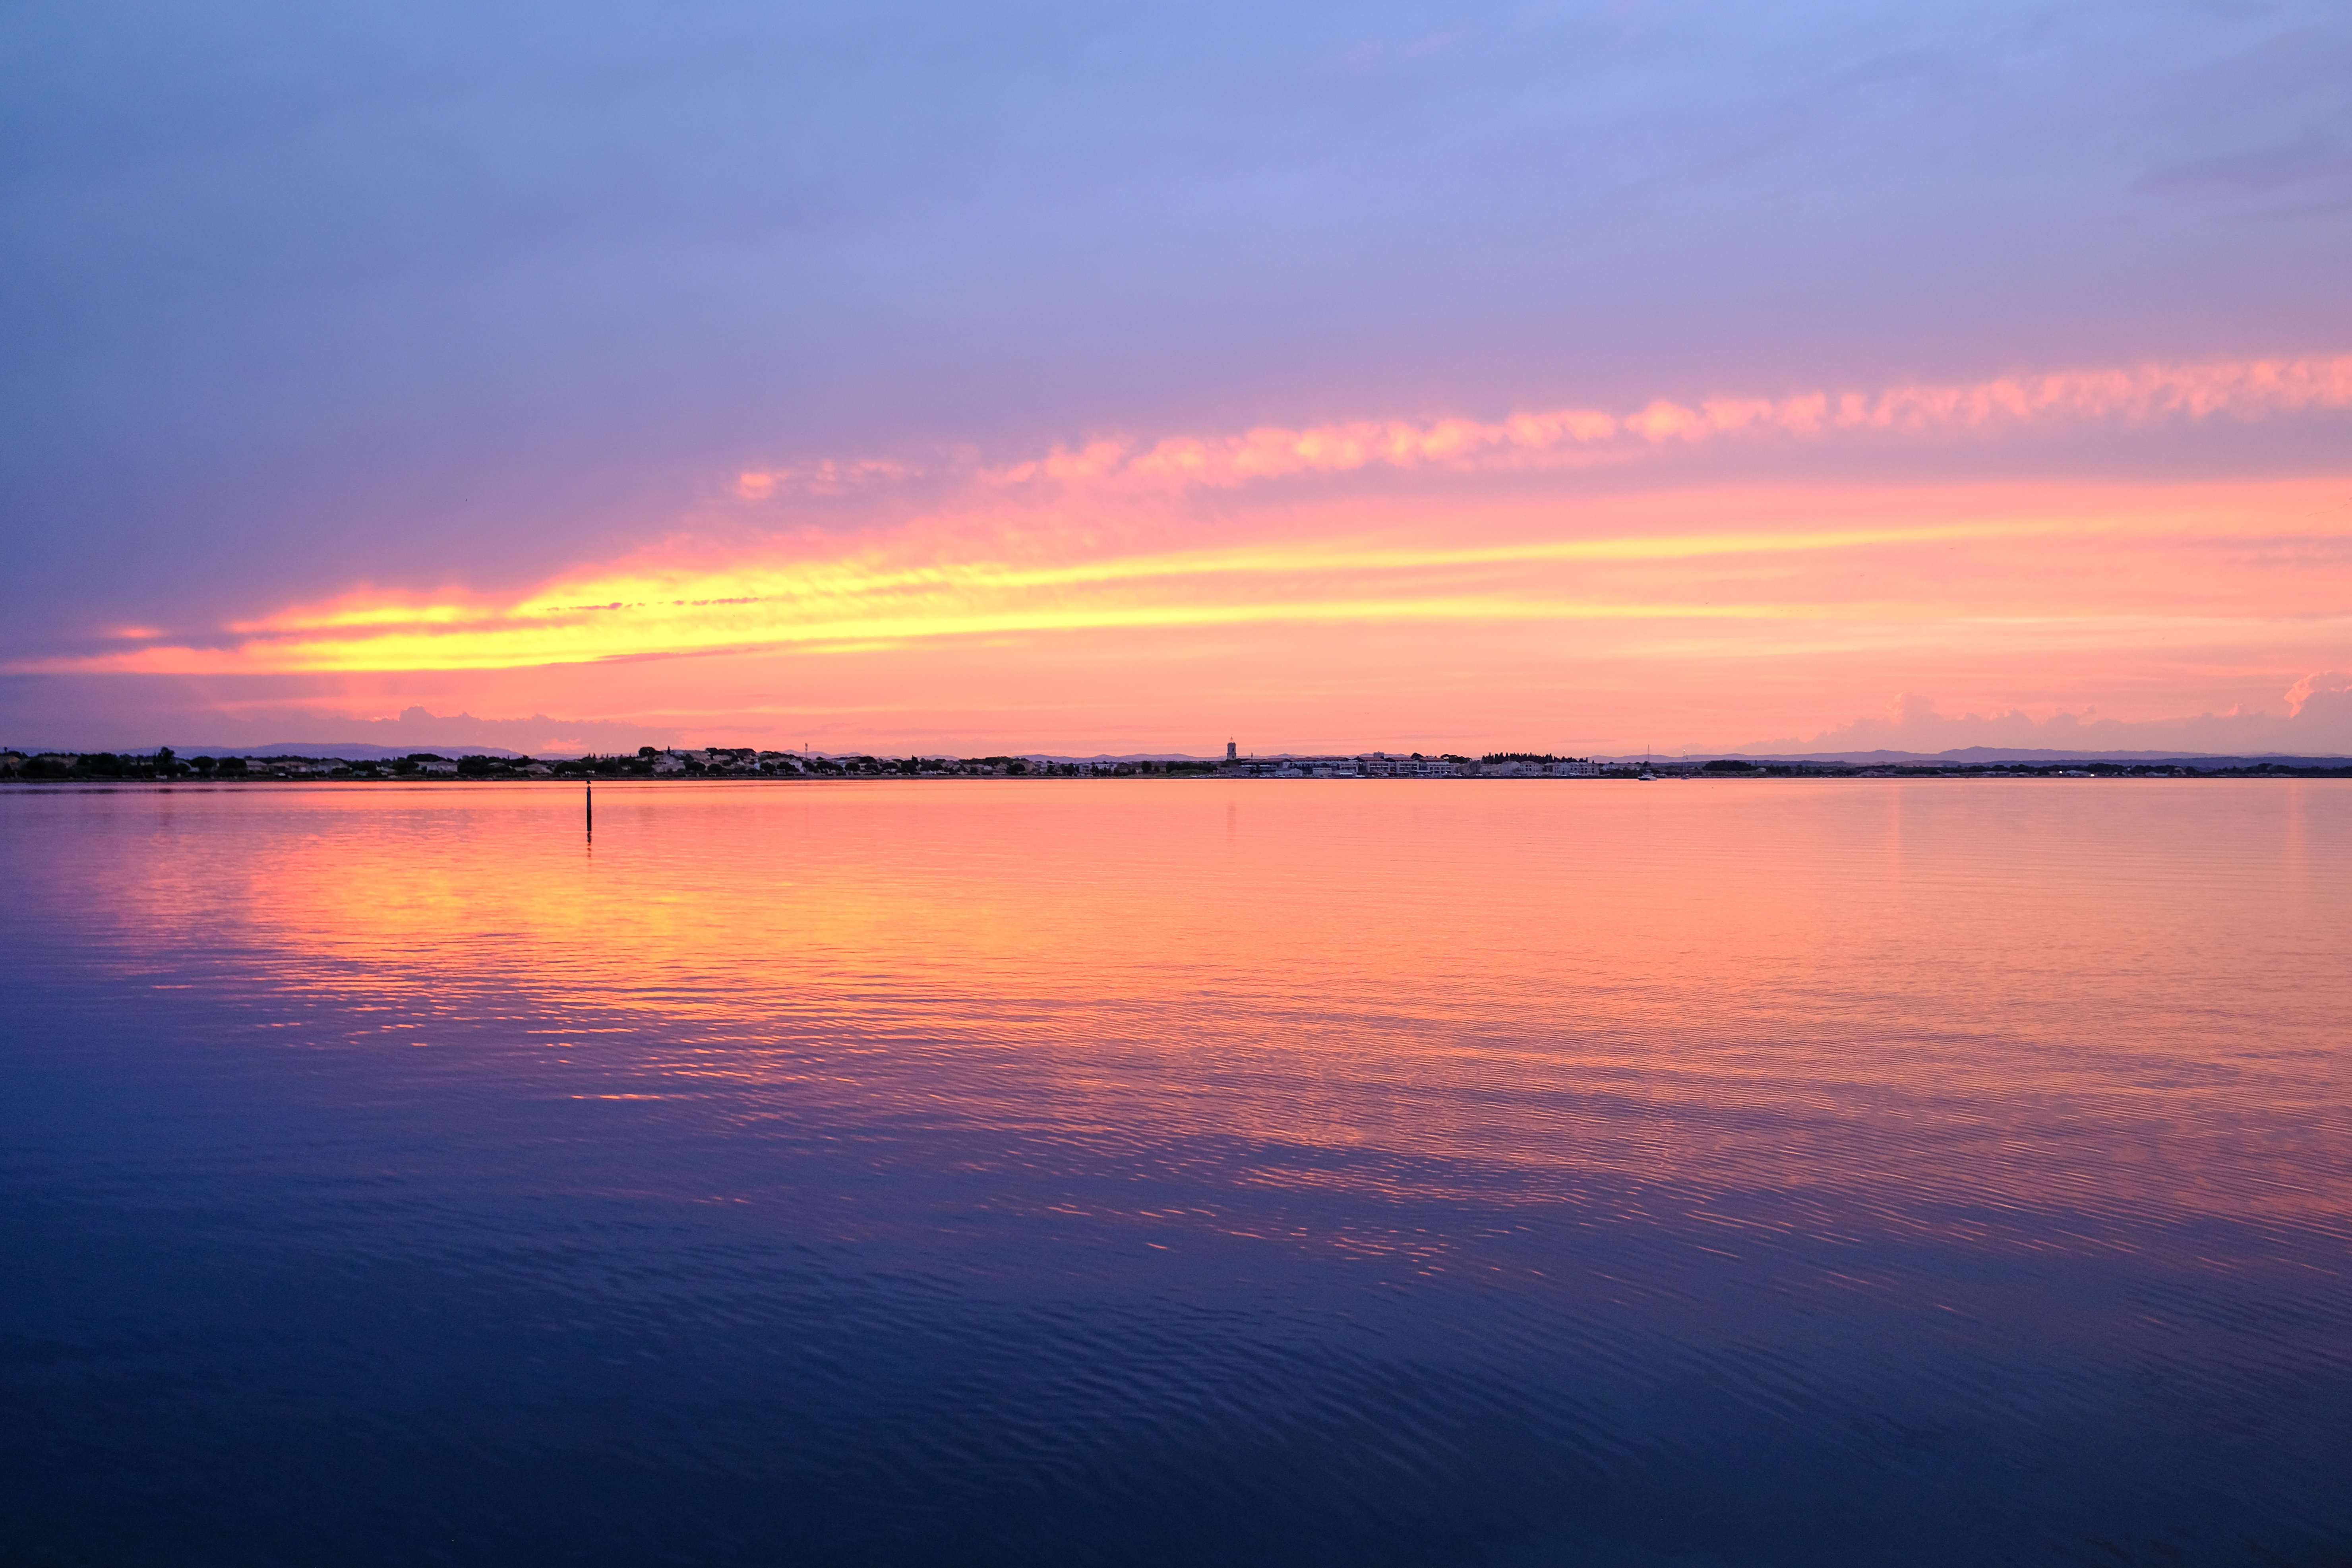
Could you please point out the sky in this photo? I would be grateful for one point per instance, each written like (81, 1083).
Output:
(1585, 378)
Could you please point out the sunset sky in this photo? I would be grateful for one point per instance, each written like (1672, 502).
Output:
(1579, 377)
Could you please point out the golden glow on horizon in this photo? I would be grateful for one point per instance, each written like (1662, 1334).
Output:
(1100, 538)
(2090, 552)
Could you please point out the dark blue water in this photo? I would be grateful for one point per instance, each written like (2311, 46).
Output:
(1171, 1173)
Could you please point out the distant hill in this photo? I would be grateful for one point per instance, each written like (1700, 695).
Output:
(1967, 755)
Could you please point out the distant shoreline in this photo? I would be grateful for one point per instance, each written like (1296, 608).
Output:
(744, 765)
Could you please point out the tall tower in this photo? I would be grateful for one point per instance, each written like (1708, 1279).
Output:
(1229, 750)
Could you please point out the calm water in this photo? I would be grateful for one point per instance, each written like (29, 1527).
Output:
(1346, 1173)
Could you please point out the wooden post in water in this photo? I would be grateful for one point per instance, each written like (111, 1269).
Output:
(592, 805)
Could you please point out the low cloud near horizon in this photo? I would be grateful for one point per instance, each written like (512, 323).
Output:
(230, 730)
(2315, 721)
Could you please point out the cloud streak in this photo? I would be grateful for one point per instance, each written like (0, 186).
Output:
(1103, 537)
(1574, 437)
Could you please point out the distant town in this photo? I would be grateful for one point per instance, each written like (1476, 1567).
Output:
(743, 762)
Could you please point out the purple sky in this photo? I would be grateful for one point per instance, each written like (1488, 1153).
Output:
(303, 297)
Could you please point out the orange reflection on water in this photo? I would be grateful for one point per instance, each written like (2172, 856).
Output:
(2123, 995)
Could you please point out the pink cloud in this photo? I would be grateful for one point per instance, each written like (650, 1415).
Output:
(2321, 685)
(1571, 437)
(830, 476)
